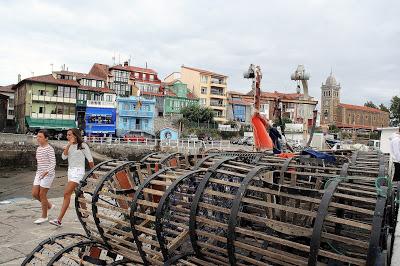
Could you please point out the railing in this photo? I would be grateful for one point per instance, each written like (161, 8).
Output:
(216, 92)
(135, 113)
(53, 116)
(180, 144)
(95, 103)
(216, 104)
(53, 99)
(216, 81)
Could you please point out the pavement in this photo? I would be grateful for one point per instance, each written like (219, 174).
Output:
(19, 235)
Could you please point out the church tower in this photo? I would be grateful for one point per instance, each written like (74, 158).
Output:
(330, 100)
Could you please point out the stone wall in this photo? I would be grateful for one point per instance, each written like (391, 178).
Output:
(166, 121)
(23, 156)
(9, 138)
(130, 152)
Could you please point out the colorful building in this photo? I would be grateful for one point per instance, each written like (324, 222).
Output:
(47, 101)
(134, 118)
(238, 109)
(93, 95)
(291, 104)
(208, 86)
(177, 96)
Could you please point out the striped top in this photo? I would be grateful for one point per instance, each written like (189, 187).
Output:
(46, 160)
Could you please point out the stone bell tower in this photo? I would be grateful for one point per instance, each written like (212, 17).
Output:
(330, 100)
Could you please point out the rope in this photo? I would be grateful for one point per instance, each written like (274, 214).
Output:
(389, 183)
(379, 190)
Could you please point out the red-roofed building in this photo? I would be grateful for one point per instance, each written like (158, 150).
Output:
(95, 104)
(348, 116)
(62, 100)
(126, 80)
(46, 101)
(239, 108)
(293, 105)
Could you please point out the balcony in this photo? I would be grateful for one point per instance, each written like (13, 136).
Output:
(219, 82)
(135, 113)
(217, 92)
(56, 99)
(100, 104)
(53, 116)
(217, 104)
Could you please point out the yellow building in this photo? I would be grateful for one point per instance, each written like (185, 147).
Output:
(209, 87)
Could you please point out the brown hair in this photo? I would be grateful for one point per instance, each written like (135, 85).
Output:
(77, 133)
(45, 133)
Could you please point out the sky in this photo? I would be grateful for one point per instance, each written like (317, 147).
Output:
(358, 40)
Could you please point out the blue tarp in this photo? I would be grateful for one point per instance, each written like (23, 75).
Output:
(319, 155)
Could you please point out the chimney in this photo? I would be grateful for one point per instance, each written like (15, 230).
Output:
(19, 78)
(126, 63)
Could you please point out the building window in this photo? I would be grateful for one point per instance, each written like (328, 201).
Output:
(99, 84)
(136, 75)
(72, 110)
(67, 92)
(108, 98)
(59, 109)
(125, 122)
(73, 93)
(204, 79)
(145, 123)
(144, 76)
(10, 103)
(41, 110)
(121, 76)
(203, 90)
(10, 112)
(151, 77)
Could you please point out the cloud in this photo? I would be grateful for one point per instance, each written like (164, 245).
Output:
(358, 40)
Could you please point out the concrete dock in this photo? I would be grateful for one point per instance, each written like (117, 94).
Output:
(19, 235)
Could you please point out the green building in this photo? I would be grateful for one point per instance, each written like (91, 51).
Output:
(46, 102)
(177, 96)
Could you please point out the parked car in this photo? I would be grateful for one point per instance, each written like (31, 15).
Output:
(243, 140)
(235, 140)
(193, 137)
(249, 141)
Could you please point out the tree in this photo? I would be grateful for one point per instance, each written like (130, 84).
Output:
(196, 113)
(285, 120)
(383, 108)
(395, 111)
(370, 104)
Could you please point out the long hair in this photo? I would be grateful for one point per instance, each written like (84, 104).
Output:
(77, 133)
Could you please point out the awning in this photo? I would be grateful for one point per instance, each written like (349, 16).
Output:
(41, 123)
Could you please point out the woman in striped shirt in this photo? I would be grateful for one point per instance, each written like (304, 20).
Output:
(45, 173)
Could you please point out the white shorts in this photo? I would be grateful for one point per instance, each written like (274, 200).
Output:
(43, 182)
(76, 174)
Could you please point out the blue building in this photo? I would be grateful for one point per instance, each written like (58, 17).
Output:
(135, 121)
(238, 108)
(100, 120)
(239, 112)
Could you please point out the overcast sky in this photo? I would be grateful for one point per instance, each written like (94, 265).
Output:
(359, 40)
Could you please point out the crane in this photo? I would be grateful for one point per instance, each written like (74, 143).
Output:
(300, 75)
